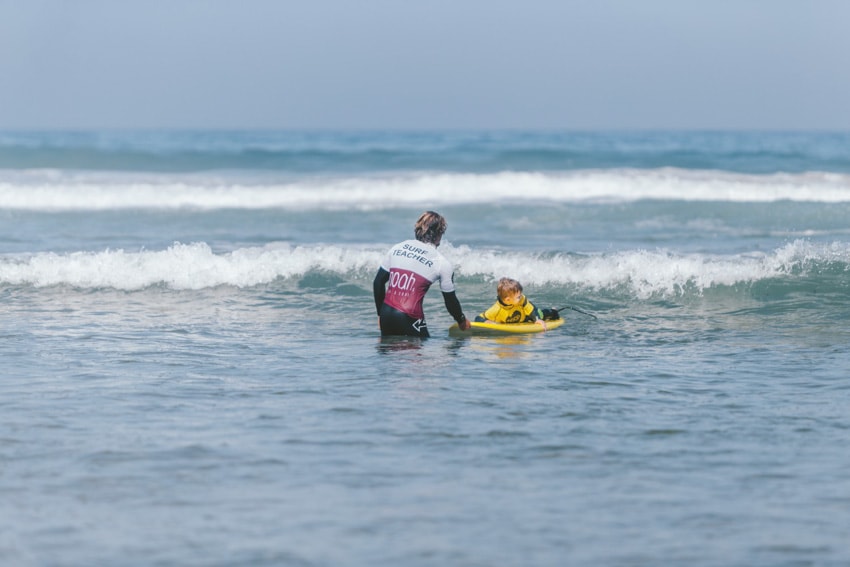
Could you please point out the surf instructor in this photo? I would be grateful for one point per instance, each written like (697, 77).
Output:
(410, 267)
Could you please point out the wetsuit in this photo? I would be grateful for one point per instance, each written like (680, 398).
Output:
(410, 267)
(523, 312)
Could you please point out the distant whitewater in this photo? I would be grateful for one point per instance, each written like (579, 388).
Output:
(63, 191)
(643, 214)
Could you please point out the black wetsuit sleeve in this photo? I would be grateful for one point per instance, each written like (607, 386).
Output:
(453, 306)
(379, 287)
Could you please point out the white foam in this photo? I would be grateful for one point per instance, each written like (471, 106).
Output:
(648, 273)
(641, 273)
(70, 191)
(181, 266)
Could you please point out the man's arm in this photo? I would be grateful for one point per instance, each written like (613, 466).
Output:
(455, 310)
(379, 287)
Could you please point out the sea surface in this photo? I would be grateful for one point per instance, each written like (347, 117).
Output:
(191, 371)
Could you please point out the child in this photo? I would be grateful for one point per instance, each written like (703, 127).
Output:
(513, 307)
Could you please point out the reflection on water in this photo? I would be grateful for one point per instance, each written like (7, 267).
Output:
(392, 344)
(501, 346)
(508, 346)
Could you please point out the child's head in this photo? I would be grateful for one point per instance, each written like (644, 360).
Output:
(509, 291)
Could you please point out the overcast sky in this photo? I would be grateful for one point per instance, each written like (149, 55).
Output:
(465, 64)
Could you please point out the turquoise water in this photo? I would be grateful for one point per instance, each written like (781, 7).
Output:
(192, 371)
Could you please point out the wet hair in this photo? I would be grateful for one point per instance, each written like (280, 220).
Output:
(430, 227)
(508, 286)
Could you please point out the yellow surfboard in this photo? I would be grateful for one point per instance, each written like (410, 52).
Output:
(503, 328)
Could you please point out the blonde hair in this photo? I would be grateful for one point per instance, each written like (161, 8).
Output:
(508, 286)
(430, 227)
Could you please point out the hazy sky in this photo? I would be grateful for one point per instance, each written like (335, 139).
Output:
(468, 64)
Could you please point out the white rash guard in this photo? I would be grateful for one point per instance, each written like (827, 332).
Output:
(413, 267)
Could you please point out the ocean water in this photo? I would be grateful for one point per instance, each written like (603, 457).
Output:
(192, 372)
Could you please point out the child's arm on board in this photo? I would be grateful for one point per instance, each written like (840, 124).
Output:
(488, 316)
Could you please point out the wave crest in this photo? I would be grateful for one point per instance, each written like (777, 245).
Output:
(71, 191)
(637, 273)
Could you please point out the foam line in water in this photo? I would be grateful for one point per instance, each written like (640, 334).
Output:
(638, 273)
(648, 273)
(181, 266)
(71, 191)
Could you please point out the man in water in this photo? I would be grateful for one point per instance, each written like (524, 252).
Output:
(410, 268)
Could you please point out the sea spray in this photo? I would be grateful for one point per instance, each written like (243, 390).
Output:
(640, 273)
